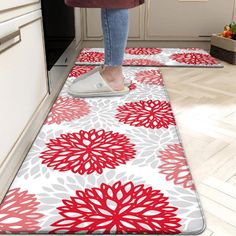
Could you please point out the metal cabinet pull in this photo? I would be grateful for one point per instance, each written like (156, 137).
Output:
(7, 39)
(9, 36)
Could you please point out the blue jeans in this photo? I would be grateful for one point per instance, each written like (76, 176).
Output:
(115, 27)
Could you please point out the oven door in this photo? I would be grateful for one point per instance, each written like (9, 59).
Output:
(59, 36)
(59, 29)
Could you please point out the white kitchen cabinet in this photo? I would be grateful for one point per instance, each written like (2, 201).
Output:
(8, 5)
(186, 19)
(78, 25)
(93, 31)
(168, 20)
(10, 9)
(23, 78)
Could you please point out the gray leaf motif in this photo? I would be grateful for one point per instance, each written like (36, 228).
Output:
(40, 142)
(91, 179)
(50, 201)
(112, 177)
(61, 180)
(32, 163)
(80, 180)
(98, 118)
(45, 208)
(189, 198)
(188, 206)
(184, 191)
(195, 226)
(110, 174)
(181, 204)
(72, 187)
(195, 214)
(47, 189)
(26, 176)
(48, 221)
(54, 194)
(69, 179)
(148, 143)
(147, 92)
(58, 187)
(34, 170)
(34, 160)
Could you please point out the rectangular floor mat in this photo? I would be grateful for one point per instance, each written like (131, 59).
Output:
(175, 57)
(106, 166)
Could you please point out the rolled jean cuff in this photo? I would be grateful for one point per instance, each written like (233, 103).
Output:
(112, 65)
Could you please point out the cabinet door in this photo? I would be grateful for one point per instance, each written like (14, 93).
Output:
(78, 25)
(23, 79)
(186, 19)
(93, 31)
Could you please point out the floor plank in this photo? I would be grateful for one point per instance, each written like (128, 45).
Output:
(204, 104)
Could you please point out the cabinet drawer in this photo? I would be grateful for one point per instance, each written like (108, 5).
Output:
(7, 5)
(23, 77)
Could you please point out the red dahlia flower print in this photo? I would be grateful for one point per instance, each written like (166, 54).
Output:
(141, 62)
(149, 114)
(76, 71)
(88, 152)
(132, 86)
(118, 208)
(67, 109)
(194, 58)
(143, 51)
(151, 77)
(175, 166)
(18, 212)
(91, 57)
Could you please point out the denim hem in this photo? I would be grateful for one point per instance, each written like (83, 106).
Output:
(110, 64)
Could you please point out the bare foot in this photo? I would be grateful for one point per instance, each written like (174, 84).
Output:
(113, 76)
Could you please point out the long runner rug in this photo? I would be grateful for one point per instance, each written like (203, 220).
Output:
(106, 166)
(168, 57)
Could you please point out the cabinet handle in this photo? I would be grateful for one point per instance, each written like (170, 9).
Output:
(9, 36)
(5, 38)
(204, 36)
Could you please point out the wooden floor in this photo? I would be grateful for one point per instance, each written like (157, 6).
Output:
(204, 103)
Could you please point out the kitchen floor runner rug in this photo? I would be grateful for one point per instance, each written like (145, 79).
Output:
(106, 166)
(175, 57)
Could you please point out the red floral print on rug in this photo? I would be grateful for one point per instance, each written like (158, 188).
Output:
(149, 114)
(194, 58)
(90, 57)
(88, 152)
(118, 208)
(66, 109)
(143, 51)
(150, 77)
(141, 62)
(18, 212)
(132, 86)
(76, 71)
(175, 166)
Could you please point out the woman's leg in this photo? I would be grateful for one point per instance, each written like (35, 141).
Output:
(115, 26)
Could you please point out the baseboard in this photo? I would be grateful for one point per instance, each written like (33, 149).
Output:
(159, 44)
